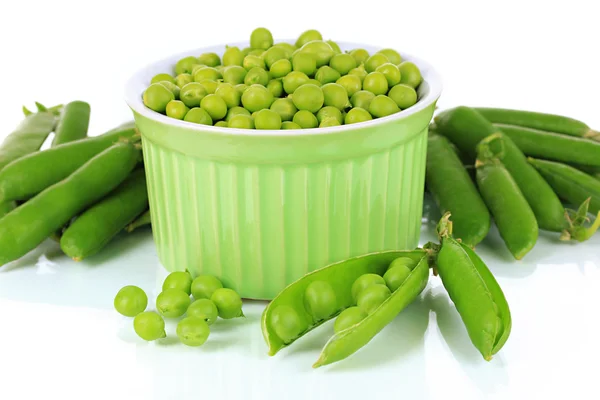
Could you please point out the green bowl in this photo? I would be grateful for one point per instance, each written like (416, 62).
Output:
(259, 209)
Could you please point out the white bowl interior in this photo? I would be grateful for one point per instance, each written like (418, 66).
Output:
(429, 91)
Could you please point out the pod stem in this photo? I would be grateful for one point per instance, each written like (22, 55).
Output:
(577, 221)
(593, 135)
(490, 148)
(444, 227)
(26, 111)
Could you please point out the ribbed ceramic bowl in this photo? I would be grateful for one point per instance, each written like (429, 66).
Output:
(259, 209)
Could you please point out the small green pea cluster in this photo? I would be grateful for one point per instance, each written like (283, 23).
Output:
(212, 300)
(309, 84)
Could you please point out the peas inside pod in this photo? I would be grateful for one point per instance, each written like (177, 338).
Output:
(312, 73)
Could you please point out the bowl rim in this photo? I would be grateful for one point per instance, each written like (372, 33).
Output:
(134, 98)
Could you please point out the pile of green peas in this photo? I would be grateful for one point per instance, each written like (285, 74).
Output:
(211, 300)
(268, 85)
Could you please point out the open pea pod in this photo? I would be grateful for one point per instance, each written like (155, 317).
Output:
(340, 277)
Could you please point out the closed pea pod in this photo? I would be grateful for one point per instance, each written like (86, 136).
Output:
(475, 292)
(73, 123)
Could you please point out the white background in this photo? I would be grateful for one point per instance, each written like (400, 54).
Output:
(59, 337)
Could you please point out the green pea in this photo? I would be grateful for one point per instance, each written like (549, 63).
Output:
(335, 96)
(233, 111)
(192, 93)
(391, 73)
(314, 82)
(261, 38)
(329, 122)
(392, 55)
(360, 55)
(185, 65)
(149, 326)
(178, 280)
(290, 125)
(246, 51)
(320, 300)
(275, 86)
(257, 97)
(285, 108)
(404, 96)
(356, 115)
(342, 63)
(334, 46)
(321, 51)
(273, 55)
(304, 62)
(258, 76)
(207, 73)
(172, 87)
(183, 79)
(209, 85)
(257, 52)
(287, 323)
(234, 74)
(375, 61)
(205, 309)
(233, 56)
(397, 273)
(193, 331)
(308, 36)
(172, 303)
(281, 68)
(162, 77)
(326, 74)
(156, 97)
(253, 61)
(351, 83)
(199, 116)
(241, 122)
(371, 297)
(382, 106)
(177, 109)
(293, 81)
(267, 119)
(130, 301)
(330, 112)
(227, 92)
(305, 119)
(228, 303)
(289, 48)
(241, 88)
(375, 83)
(222, 124)
(360, 72)
(347, 318)
(215, 106)
(363, 282)
(308, 97)
(410, 74)
(204, 286)
(210, 59)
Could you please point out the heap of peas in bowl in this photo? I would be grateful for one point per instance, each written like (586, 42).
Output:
(268, 85)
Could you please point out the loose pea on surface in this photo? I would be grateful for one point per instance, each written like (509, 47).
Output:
(293, 81)
(308, 36)
(228, 302)
(391, 73)
(281, 68)
(320, 300)
(162, 77)
(177, 109)
(156, 97)
(178, 280)
(290, 125)
(183, 79)
(275, 86)
(305, 119)
(149, 326)
(215, 106)
(304, 62)
(172, 303)
(285, 108)
(198, 116)
(382, 106)
(234, 74)
(261, 38)
(193, 331)
(326, 74)
(210, 59)
(410, 74)
(362, 99)
(347, 318)
(397, 273)
(233, 56)
(241, 121)
(309, 97)
(371, 297)
(192, 93)
(204, 286)
(287, 323)
(257, 97)
(205, 309)
(330, 112)
(130, 301)
(351, 83)
(335, 96)
(375, 83)
(357, 115)
(267, 119)
(360, 55)
(342, 63)
(375, 61)
(404, 95)
(392, 55)
(363, 282)
(229, 94)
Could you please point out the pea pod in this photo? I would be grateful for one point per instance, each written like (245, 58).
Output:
(140, 221)
(513, 215)
(541, 121)
(73, 123)
(95, 227)
(475, 292)
(465, 127)
(31, 174)
(7, 207)
(341, 276)
(31, 223)
(553, 146)
(453, 190)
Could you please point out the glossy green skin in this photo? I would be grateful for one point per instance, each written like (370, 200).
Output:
(33, 222)
(233, 56)
(162, 77)
(465, 128)
(371, 297)
(73, 123)
(308, 36)
(571, 184)
(7, 207)
(229, 94)
(341, 276)
(157, 96)
(536, 120)
(342, 63)
(185, 65)
(305, 119)
(233, 111)
(396, 275)
(375, 83)
(257, 75)
(181, 280)
(257, 97)
(228, 302)
(360, 55)
(477, 296)
(351, 83)
(215, 106)
(321, 50)
(241, 122)
(275, 86)
(410, 74)
(192, 93)
(347, 318)
(261, 38)
(98, 225)
(205, 309)
(326, 75)
(308, 97)
(391, 73)
(285, 108)
(553, 146)
(193, 331)
(234, 74)
(267, 119)
(453, 191)
(130, 301)
(281, 68)
(375, 61)
(363, 282)
(330, 112)
(149, 326)
(362, 99)
(334, 46)
(513, 215)
(293, 81)
(183, 79)
(382, 106)
(172, 303)
(329, 121)
(305, 63)
(141, 220)
(177, 109)
(204, 286)
(210, 59)
(320, 300)
(357, 115)
(392, 55)
(403, 95)
(335, 95)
